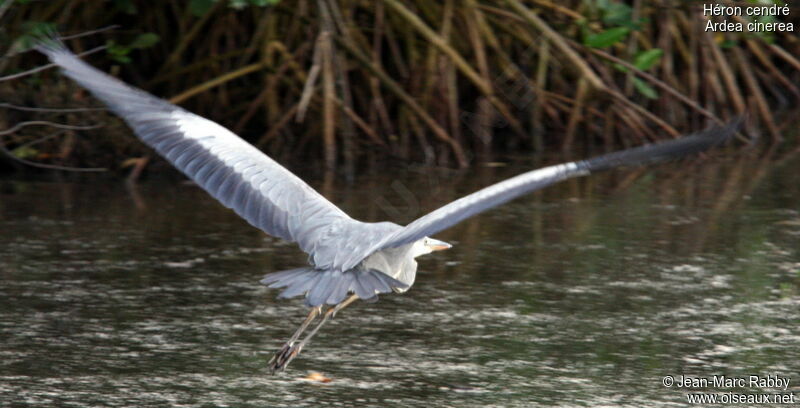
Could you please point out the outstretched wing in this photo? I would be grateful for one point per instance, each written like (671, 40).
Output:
(234, 172)
(492, 196)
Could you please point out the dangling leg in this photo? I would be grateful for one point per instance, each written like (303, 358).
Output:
(330, 313)
(280, 355)
(282, 359)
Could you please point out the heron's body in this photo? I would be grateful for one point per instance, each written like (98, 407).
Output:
(348, 259)
(399, 263)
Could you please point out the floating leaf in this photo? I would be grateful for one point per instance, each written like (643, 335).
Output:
(317, 377)
(607, 38)
(645, 60)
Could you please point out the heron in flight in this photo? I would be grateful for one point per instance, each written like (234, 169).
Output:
(348, 259)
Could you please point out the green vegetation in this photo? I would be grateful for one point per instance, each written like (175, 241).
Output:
(445, 82)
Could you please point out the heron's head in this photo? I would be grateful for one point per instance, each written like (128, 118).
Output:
(427, 245)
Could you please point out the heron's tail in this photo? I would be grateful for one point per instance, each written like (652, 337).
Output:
(668, 150)
(331, 287)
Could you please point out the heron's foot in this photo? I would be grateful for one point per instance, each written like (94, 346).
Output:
(284, 356)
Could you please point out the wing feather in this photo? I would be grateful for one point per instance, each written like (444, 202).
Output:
(231, 170)
(504, 191)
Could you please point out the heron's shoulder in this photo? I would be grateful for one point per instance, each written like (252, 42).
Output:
(347, 237)
(384, 227)
(354, 229)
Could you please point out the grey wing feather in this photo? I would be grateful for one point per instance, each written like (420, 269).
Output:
(331, 286)
(492, 196)
(482, 200)
(465, 207)
(340, 289)
(231, 170)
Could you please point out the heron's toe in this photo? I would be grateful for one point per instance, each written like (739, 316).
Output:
(283, 357)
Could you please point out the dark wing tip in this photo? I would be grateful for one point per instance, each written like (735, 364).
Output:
(669, 150)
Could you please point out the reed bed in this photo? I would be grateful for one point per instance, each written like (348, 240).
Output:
(445, 82)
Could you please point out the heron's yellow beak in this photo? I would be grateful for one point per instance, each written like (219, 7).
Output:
(436, 245)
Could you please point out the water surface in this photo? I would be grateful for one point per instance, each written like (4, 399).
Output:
(586, 294)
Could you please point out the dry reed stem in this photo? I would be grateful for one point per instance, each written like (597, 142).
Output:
(660, 84)
(473, 56)
(311, 79)
(277, 127)
(364, 126)
(560, 43)
(220, 80)
(773, 70)
(785, 55)
(756, 93)
(727, 75)
(187, 38)
(576, 114)
(458, 60)
(389, 83)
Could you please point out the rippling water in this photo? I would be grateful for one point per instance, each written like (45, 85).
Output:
(586, 294)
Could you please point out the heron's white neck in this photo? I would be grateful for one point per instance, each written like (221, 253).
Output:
(419, 248)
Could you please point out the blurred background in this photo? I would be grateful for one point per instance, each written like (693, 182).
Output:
(444, 83)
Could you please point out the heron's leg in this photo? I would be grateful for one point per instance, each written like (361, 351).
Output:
(328, 314)
(315, 311)
(283, 357)
(342, 305)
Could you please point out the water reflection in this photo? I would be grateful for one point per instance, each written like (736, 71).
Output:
(587, 293)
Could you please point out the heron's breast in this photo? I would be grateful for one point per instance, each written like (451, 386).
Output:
(397, 264)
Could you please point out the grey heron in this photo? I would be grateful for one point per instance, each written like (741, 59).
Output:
(348, 259)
